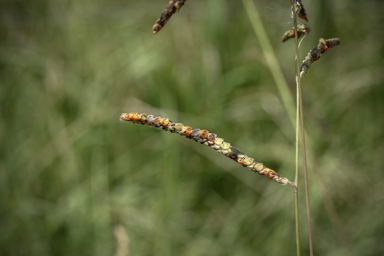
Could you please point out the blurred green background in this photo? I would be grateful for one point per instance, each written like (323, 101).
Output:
(76, 181)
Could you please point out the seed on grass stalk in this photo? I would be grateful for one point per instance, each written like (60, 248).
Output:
(332, 42)
(206, 138)
(316, 52)
(172, 7)
(302, 29)
(300, 11)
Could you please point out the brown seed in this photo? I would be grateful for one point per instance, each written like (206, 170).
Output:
(269, 173)
(259, 167)
(186, 130)
(203, 134)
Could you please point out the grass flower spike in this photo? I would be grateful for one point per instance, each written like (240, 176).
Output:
(206, 138)
(316, 53)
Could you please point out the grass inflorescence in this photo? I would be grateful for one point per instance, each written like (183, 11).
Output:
(209, 139)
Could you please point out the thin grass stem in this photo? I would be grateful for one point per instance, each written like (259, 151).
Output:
(305, 174)
(298, 98)
(299, 116)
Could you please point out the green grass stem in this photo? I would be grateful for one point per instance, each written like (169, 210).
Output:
(299, 118)
(298, 100)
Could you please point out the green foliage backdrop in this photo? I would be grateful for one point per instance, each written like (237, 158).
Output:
(72, 175)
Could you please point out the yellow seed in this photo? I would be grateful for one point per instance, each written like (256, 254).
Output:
(186, 131)
(259, 167)
(218, 141)
(225, 151)
(248, 161)
(164, 121)
(241, 155)
(225, 145)
(176, 128)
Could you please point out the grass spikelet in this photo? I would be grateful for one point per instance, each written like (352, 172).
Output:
(316, 53)
(302, 29)
(172, 7)
(300, 10)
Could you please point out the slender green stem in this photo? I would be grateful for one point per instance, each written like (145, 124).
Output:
(281, 83)
(298, 98)
(305, 175)
(299, 116)
(297, 222)
(287, 101)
